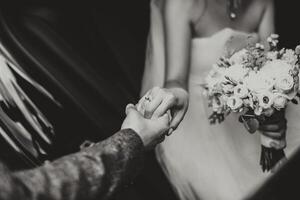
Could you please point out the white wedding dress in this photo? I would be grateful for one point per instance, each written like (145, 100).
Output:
(204, 161)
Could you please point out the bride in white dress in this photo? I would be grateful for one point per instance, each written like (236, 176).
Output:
(204, 161)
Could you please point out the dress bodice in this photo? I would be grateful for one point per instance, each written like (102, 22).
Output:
(207, 50)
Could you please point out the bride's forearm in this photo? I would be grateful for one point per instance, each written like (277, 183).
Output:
(176, 83)
(267, 24)
(177, 21)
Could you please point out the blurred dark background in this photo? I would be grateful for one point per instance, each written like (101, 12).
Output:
(106, 39)
(90, 56)
(287, 25)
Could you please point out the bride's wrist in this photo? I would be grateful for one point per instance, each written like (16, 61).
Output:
(175, 84)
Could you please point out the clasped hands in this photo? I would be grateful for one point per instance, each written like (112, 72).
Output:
(160, 111)
(157, 114)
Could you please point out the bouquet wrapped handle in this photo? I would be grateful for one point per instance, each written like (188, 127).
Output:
(271, 156)
(272, 143)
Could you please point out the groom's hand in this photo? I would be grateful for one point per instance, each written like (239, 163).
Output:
(151, 131)
(161, 100)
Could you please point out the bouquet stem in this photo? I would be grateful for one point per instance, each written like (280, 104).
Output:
(270, 157)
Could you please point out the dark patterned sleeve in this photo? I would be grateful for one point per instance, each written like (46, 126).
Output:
(93, 173)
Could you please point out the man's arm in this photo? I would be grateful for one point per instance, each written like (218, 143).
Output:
(95, 172)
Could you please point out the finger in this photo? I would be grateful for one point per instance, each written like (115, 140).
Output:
(276, 117)
(156, 94)
(163, 123)
(273, 127)
(142, 102)
(177, 118)
(145, 95)
(278, 144)
(270, 127)
(142, 99)
(151, 106)
(130, 108)
(274, 120)
(164, 120)
(168, 102)
(275, 135)
(140, 107)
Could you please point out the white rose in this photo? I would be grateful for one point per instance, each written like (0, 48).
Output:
(284, 83)
(234, 103)
(276, 68)
(239, 57)
(241, 91)
(279, 102)
(258, 82)
(236, 72)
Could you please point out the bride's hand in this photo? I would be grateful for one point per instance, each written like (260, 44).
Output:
(161, 100)
(275, 127)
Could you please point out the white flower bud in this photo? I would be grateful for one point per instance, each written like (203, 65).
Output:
(241, 91)
(284, 83)
(234, 103)
(279, 102)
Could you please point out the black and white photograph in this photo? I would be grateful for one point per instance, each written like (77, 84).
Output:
(149, 100)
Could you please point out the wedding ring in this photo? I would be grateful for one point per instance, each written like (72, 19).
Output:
(147, 98)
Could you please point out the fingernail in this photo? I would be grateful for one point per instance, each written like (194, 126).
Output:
(170, 131)
(127, 109)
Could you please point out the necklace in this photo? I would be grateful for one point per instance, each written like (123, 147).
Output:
(233, 7)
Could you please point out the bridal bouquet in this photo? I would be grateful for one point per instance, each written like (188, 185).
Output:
(256, 83)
